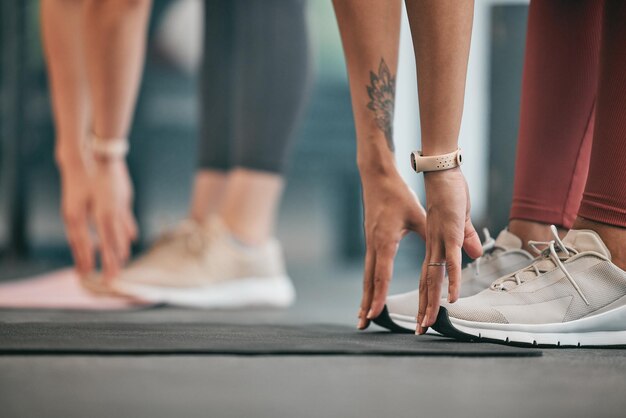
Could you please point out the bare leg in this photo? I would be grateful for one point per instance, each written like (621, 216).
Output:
(250, 204)
(208, 190)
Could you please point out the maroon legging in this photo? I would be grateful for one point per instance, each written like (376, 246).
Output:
(571, 152)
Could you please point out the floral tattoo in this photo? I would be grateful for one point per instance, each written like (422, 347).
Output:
(382, 92)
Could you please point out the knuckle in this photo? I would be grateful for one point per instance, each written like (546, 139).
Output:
(433, 282)
(454, 241)
(379, 280)
(380, 236)
(470, 233)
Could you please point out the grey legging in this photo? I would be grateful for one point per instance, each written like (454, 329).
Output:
(254, 81)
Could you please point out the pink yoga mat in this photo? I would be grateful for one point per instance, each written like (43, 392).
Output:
(59, 289)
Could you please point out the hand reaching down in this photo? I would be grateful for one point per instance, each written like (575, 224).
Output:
(112, 214)
(449, 229)
(392, 210)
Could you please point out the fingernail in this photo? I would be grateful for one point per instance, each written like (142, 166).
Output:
(370, 314)
(424, 323)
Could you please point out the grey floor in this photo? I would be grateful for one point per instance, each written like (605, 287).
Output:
(567, 383)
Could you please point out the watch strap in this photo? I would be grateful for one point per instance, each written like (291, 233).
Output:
(421, 163)
(109, 147)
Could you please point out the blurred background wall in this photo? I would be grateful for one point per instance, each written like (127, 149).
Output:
(321, 215)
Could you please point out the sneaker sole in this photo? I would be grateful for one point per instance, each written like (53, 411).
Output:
(277, 292)
(605, 329)
(399, 324)
(393, 324)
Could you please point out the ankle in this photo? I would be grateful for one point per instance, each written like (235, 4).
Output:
(208, 191)
(614, 237)
(197, 215)
(532, 231)
(250, 205)
(249, 234)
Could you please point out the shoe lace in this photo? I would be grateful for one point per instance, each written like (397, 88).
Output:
(192, 235)
(489, 250)
(553, 253)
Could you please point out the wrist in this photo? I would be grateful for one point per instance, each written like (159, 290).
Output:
(434, 178)
(440, 162)
(108, 149)
(372, 170)
(429, 150)
(105, 162)
(375, 163)
(108, 158)
(69, 158)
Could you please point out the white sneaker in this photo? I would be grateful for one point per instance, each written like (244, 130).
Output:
(500, 257)
(204, 266)
(572, 295)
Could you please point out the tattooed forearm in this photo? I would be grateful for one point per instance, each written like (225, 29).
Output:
(382, 93)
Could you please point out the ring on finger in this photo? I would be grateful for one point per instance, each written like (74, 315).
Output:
(437, 264)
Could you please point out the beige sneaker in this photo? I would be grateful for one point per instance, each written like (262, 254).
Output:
(501, 256)
(572, 295)
(203, 266)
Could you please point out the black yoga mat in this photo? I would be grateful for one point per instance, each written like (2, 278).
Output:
(233, 339)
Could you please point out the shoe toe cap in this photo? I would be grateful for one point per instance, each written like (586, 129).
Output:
(471, 309)
(405, 304)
